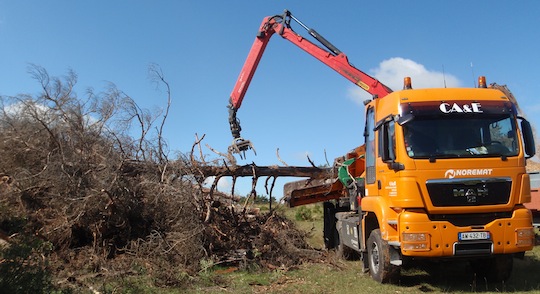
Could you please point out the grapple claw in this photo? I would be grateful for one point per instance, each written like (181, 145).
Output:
(239, 145)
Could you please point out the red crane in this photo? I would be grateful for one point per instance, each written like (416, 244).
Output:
(331, 56)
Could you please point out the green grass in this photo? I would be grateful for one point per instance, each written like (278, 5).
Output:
(312, 224)
(338, 276)
(345, 277)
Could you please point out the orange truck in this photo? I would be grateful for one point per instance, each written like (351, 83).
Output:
(441, 174)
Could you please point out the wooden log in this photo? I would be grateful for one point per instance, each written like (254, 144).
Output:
(269, 171)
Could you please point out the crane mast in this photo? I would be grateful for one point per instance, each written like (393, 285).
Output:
(331, 56)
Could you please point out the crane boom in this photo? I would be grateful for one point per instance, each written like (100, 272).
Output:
(331, 56)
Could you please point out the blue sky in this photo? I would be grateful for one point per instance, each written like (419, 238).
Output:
(295, 103)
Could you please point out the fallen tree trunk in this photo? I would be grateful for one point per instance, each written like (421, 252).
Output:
(269, 171)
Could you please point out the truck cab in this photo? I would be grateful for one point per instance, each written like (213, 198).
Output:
(444, 177)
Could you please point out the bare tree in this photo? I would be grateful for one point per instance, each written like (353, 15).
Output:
(74, 175)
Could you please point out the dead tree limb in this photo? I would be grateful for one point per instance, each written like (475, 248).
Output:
(197, 143)
(310, 161)
(279, 158)
(229, 156)
(269, 171)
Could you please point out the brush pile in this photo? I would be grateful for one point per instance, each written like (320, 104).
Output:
(85, 200)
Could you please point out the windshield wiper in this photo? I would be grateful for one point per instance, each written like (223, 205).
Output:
(434, 156)
(504, 157)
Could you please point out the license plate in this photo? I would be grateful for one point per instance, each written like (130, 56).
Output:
(465, 236)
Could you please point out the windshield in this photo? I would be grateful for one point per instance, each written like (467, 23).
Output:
(460, 136)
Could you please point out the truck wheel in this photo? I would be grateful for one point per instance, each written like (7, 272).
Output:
(380, 268)
(495, 269)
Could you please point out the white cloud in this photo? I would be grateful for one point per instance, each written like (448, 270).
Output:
(223, 185)
(392, 71)
(26, 109)
(30, 109)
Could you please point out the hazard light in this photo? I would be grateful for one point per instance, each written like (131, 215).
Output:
(407, 84)
(482, 82)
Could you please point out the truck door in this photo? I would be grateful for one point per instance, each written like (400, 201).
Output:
(386, 159)
(381, 165)
(369, 135)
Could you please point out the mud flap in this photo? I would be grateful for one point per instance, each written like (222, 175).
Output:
(330, 234)
(349, 229)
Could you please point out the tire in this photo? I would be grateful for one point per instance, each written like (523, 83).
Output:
(380, 268)
(495, 269)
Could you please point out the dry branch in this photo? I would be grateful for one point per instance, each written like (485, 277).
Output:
(105, 201)
(268, 171)
(279, 158)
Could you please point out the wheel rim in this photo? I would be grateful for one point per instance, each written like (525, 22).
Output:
(374, 257)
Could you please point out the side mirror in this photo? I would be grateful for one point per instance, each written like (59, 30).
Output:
(387, 146)
(528, 138)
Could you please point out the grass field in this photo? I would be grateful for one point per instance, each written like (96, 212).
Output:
(344, 277)
(338, 276)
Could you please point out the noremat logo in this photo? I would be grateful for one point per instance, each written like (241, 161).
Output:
(465, 108)
(452, 173)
